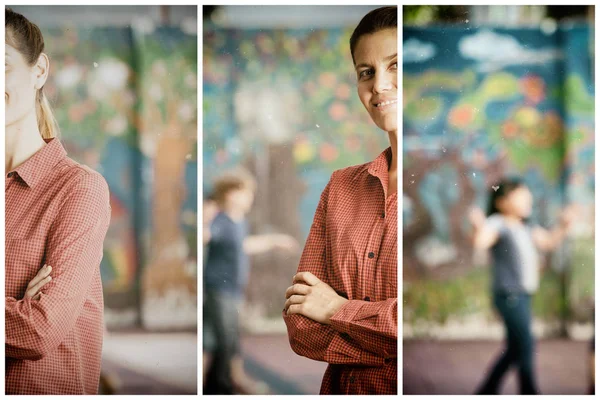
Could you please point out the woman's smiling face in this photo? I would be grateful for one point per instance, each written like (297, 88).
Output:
(19, 81)
(376, 65)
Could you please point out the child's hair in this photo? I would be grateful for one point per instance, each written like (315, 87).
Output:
(375, 21)
(501, 189)
(238, 180)
(208, 197)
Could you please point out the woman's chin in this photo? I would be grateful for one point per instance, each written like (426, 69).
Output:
(389, 127)
(388, 123)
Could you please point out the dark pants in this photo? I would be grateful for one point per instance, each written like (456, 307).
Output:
(515, 310)
(221, 337)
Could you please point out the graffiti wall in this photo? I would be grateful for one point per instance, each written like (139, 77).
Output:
(125, 99)
(480, 104)
(282, 103)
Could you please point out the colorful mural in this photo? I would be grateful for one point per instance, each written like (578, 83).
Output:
(480, 104)
(109, 89)
(283, 104)
(295, 88)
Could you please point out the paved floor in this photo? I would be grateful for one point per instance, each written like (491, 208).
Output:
(270, 358)
(152, 363)
(165, 363)
(456, 367)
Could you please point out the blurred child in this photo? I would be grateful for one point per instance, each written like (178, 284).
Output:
(514, 245)
(210, 209)
(225, 277)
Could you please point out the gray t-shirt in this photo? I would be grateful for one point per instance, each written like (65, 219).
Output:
(515, 257)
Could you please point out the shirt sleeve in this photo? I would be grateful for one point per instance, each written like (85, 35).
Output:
(373, 325)
(74, 248)
(495, 222)
(312, 339)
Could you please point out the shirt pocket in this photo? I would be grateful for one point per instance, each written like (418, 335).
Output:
(24, 257)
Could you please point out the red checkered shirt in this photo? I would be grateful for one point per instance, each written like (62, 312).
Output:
(352, 246)
(57, 213)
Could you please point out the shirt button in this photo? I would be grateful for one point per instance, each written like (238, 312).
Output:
(382, 215)
(371, 255)
(351, 379)
(367, 298)
(10, 174)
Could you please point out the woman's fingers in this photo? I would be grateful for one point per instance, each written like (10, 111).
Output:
(34, 290)
(307, 277)
(40, 279)
(42, 274)
(298, 288)
(294, 309)
(295, 299)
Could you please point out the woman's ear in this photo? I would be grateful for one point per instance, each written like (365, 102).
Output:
(41, 69)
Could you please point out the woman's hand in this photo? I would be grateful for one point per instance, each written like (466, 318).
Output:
(36, 284)
(313, 298)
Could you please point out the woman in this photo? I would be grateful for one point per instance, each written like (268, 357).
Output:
(57, 213)
(513, 246)
(342, 305)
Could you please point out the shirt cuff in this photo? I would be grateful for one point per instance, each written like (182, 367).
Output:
(341, 320)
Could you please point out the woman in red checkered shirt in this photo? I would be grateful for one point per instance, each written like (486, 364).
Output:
(57, 213)
(342, 305)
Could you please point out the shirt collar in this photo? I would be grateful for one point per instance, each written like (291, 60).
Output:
(41, 163)
(379, 167)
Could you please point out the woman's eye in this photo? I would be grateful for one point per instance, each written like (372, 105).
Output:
(395, 65)
(365, 73)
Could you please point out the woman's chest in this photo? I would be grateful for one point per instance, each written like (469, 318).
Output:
(28, 220)
(362, 244)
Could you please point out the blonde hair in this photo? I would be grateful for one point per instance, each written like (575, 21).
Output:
(26, 37)
(234, 180)
(47, 123)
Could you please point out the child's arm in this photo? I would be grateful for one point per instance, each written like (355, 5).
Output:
(548, 240)
(255, 244)
(485, 235)
(206, 234)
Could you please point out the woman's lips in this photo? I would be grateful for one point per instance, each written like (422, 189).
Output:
(383, 105)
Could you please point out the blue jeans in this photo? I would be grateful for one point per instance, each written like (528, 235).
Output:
(515, 309)
(221, 337)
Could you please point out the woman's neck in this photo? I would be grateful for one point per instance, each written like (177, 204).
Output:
(394, 145)
(22, 140)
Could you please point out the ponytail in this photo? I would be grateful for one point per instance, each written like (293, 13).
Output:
(47, 124)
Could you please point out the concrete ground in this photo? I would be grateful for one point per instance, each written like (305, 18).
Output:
(166, 363)
(270, 359)
(152, 363)
(457, 367)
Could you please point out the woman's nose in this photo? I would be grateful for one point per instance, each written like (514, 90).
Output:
(382, 82)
